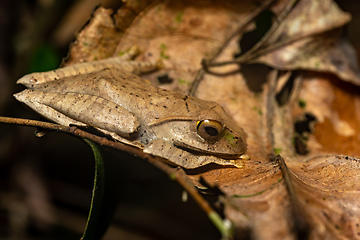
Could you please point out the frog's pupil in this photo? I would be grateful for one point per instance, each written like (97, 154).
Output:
(211, 131)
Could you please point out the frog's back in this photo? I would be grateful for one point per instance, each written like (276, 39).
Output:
(151, 104)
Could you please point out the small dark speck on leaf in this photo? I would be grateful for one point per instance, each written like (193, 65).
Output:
(165, 79)
(302, 103)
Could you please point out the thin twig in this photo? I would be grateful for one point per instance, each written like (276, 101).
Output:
(252, 53)
(179, 176)
(269, 108)
(300, 223)
(208, 62)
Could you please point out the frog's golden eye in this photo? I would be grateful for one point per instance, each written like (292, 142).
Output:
(209, 130)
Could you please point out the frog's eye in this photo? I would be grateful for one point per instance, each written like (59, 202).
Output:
(209, 130)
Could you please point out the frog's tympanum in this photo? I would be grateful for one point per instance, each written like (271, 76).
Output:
(184, 130)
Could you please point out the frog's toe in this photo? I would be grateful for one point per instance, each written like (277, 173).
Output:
(27, 80)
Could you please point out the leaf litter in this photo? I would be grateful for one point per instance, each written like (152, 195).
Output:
(308, 45)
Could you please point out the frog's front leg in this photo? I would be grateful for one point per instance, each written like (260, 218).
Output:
(91, 110)
(188, 160)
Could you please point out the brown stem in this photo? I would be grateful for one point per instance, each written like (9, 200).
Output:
(300, 222)
(179, 176)
(253, 52)
(208, 62)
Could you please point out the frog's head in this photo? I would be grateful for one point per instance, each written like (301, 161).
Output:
(210, 131)
(217, 134)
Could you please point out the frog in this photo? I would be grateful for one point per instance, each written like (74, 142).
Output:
(110, 96)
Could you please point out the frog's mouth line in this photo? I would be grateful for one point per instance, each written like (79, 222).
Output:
(202, 152)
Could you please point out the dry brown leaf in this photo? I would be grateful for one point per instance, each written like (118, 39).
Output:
(182, 33)
(336, 107)
(100, 37)
(329, 189)
(310, 38)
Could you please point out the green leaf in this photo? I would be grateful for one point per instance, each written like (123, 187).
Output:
(93, 222)
(44, 58)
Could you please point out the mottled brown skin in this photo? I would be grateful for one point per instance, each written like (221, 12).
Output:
(162, 122)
